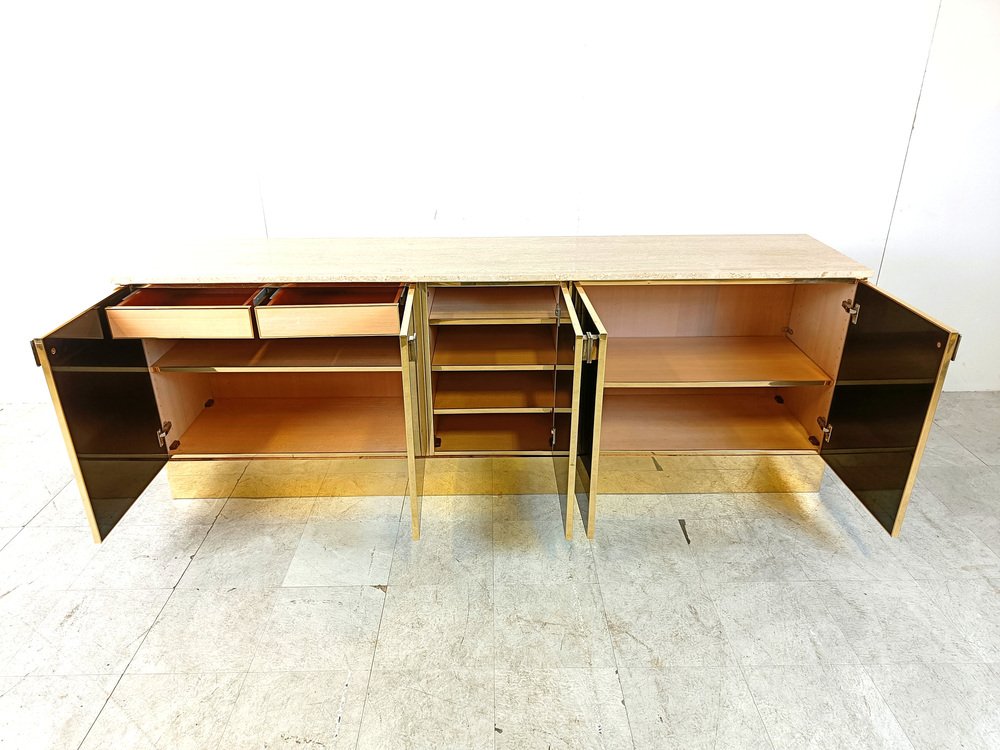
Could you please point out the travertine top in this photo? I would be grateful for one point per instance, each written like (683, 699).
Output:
(497, 259)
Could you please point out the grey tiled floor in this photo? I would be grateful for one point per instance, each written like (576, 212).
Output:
(787, 622)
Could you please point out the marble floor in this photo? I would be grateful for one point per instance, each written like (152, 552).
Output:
(787, 621)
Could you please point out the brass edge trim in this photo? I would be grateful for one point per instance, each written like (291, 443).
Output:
(409, 417)
(425, 395)
(574, 424)
(96, 368)
(499, 368)
(249, 456)
(504, 410)
(719, 384)
(484, 454)
(273, 368)
(714, 282)
(67, 439)
(714, 452)
(595, 449)
(925, 430)
(494, 321)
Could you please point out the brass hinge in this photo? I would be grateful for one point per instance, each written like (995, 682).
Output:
(161, 434)
(552, 438)
(825, 427)
(954, 352)
(852, 308)
(411, 346)
(589, 347)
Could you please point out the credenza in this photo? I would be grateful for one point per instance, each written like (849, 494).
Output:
(560, 366)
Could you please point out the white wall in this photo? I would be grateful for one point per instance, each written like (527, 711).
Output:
(452, 119)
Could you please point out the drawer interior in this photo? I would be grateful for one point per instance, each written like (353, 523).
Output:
(175, 296)
(337, 294)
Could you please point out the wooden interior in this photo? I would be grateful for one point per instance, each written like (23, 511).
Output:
(709, 360)
(336, 294)
(502, 303)
(354, 353)
(718, 420)
(491, 433)
(507, 391)
(182, 296)
(495, 347)
(261, 426)
(630, 311)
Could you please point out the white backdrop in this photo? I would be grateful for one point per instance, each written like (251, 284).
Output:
(121, 124)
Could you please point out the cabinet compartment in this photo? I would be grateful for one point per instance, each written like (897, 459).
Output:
(496, 392)
(521, 434)
(289, 414)
(514, 347)
(485, 304)
(360, 354)
(331, 310)
(175, 312)
(681, 421)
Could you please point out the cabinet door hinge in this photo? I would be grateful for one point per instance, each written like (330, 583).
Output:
(589, 347)
(552, 438)
(411, 346)
(825, 427)
(852, 308)
(161, 434)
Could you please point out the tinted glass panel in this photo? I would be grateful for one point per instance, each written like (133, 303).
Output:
(885, 388)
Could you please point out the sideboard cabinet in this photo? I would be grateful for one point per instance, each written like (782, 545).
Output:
(648, 364)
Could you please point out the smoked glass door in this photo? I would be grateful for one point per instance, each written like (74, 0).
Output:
(893, 366)
(103, 396)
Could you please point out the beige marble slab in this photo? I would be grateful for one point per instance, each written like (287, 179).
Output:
(491, 259)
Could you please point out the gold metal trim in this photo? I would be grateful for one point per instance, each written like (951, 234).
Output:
(590, 485)
(409, 417)
(425, 395)
(43, 359)
(569, 500)
(715, 282)
(719, 384)
(928, 422)
(267, 368)
(507, 410)
(499, 368)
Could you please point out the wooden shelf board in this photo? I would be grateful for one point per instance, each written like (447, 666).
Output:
(511, 391)
(498, 303)
(258, 426)
(363, 353)
(750, 420)
(497, 347)
(722, 361)
(511, 433)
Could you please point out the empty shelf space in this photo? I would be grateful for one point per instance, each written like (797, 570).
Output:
(516, 347)
(450, 305)
(499, 433)
(313, 355)
(674, 362)
(191, 296)
(749, 420)
(499, 392)
(261, 426)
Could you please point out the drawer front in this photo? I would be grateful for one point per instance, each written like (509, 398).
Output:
(294, 321)
(180, 323)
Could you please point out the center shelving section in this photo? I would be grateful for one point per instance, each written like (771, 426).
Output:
(501, 370)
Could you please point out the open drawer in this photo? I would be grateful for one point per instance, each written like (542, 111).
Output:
(185, 312)
(300, 311)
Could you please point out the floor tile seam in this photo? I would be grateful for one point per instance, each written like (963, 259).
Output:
(611, 640)
(902, 726)
(958, 440)
(378, 630)
(125, 670)
(38, 513)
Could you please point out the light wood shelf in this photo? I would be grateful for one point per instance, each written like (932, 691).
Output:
(360, 354)
(264, 426)
(748, 420)
(488, 304)
(709, 361)
(516, 347)
(500, 433)
(499, 392)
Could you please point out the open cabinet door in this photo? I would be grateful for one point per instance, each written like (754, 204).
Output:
(408, 358)
(590, 399)
(890, 379)
(104, 401)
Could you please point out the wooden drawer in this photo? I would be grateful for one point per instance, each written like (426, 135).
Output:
(173, 312)
(331, 310)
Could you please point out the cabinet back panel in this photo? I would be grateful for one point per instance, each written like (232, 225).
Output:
(693, 310)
